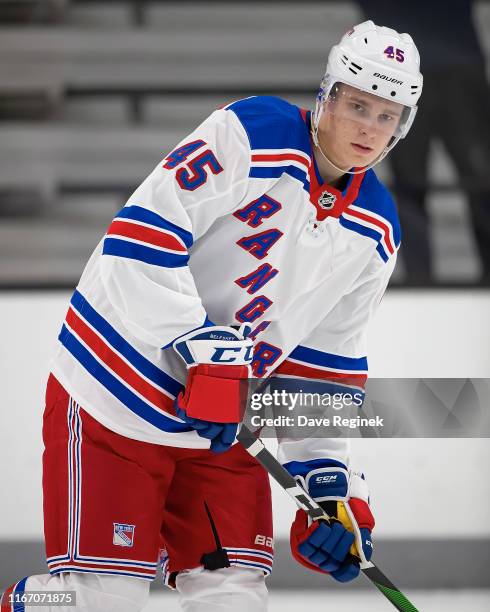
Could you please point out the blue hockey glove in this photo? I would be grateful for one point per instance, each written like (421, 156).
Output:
(339, 547)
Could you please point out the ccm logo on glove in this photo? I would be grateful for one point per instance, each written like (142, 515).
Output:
(338, 547)
(326, 479)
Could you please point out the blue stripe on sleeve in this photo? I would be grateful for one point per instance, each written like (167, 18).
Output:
(329, 360)
(382, 252)
(375, 197)
(19, 590)
(365, 231)
(138, 213)
(131, 250)
(117, 388)
(143, 365)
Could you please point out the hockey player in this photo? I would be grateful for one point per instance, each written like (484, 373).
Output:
(266, 217)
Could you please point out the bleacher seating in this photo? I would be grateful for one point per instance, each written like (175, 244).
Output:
(93, 93)
(74, 90)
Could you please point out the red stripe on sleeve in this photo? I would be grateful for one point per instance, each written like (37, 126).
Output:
(281, 157)
(382, 226)
(145, 234)
(5, 603)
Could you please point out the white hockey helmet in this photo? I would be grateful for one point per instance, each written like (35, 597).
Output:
(378, 61)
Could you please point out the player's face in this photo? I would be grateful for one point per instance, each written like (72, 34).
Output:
(356, 126)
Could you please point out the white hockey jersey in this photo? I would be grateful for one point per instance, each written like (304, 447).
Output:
(232, 226)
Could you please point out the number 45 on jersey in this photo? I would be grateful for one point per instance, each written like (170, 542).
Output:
(194, 174)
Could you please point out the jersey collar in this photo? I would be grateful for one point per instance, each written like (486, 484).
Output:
(327, 200)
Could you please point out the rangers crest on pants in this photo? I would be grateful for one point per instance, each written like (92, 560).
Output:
(123, 534)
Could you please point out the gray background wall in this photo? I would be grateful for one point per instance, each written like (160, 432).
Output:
(430, 496)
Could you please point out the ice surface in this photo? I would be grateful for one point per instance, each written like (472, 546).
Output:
(367, 601)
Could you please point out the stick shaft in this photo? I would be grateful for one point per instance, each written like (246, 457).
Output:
(256, 448)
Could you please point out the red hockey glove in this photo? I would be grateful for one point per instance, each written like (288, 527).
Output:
(218, 360)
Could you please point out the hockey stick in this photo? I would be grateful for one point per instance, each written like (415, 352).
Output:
(255, 447)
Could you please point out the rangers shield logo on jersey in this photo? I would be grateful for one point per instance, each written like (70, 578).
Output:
(327, 200)
(123, 534)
